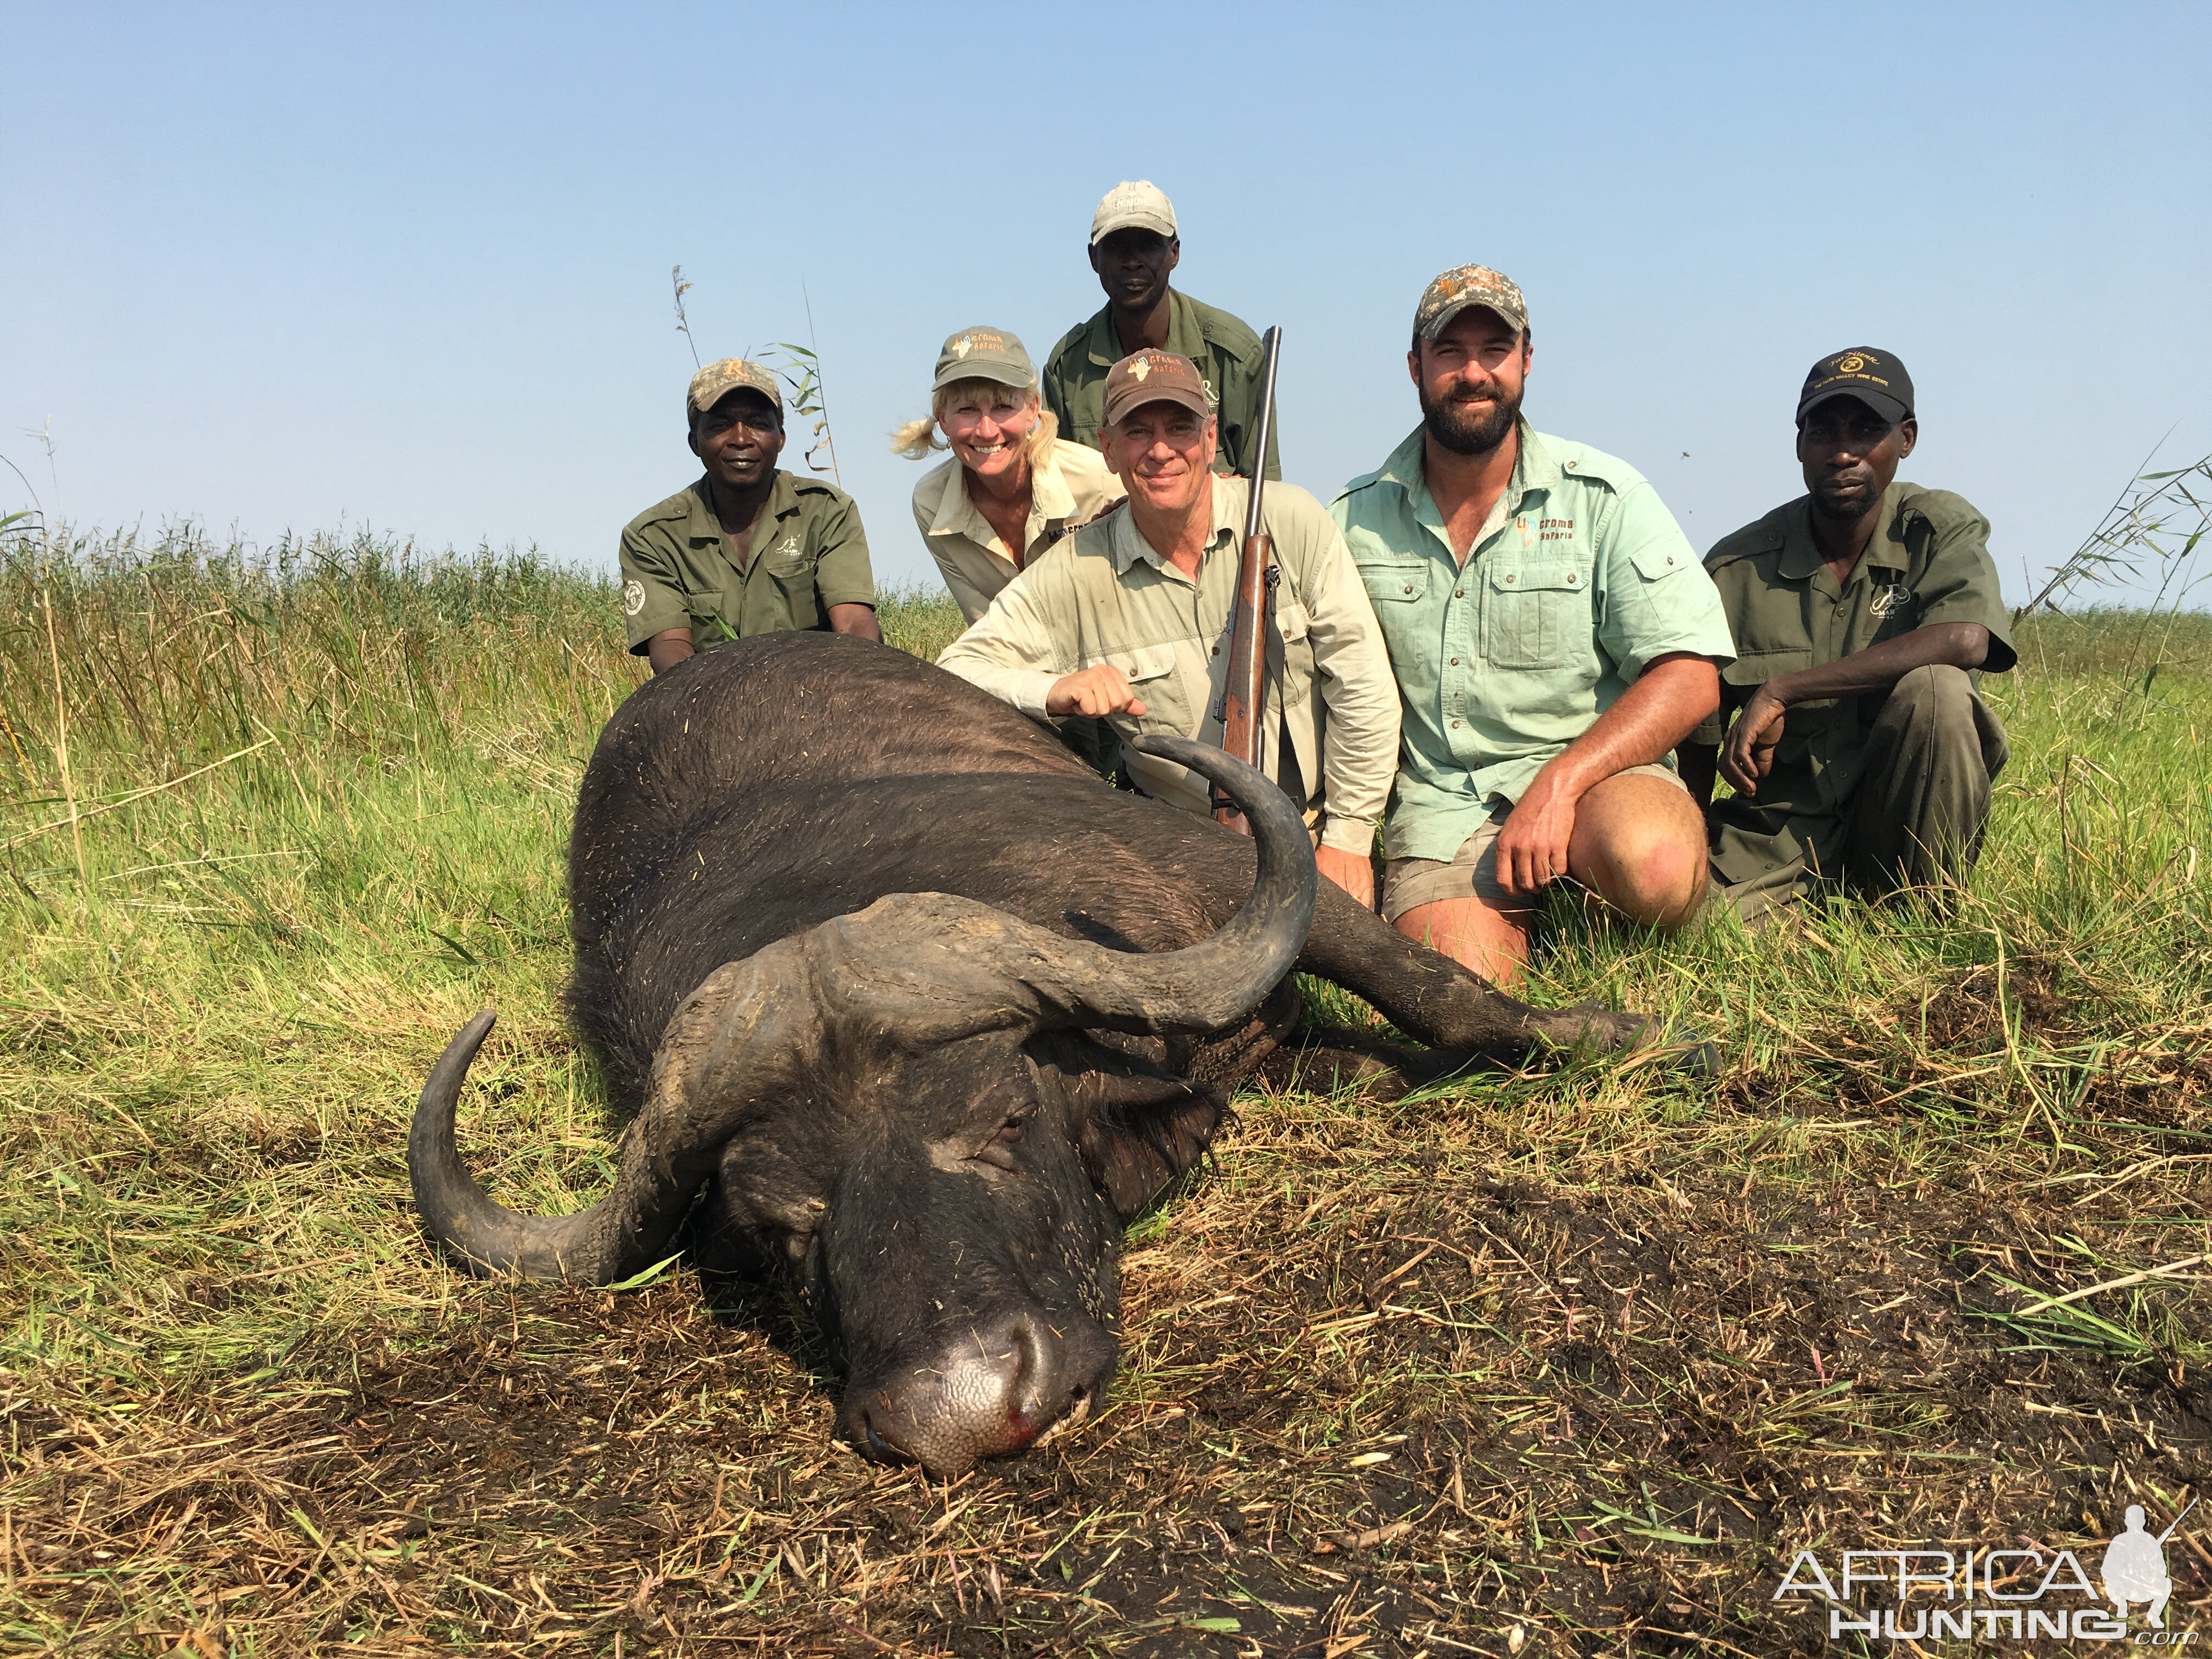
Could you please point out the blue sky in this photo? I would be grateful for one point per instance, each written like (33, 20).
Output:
(290, 267)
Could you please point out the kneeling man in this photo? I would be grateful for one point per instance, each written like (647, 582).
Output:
(1129, 618)
(1861, 750)
(1553, 637)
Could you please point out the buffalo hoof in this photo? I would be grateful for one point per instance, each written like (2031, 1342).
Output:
(996, 1391)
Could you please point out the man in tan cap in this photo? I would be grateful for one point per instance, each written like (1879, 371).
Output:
(1129, 619)
(1553, 637)
(748, 549)
(1133, 246)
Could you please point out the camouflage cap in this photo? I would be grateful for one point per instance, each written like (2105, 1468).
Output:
(984, 354)
(1875, 378)
(1469, 285)
(719, 379)
(1133, 205)
(1155, 377)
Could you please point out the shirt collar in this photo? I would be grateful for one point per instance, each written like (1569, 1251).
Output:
(1050, 498)
(701, 525)
(1126, 543)
(1185, 334)
(1536, 471)
(1802, 556)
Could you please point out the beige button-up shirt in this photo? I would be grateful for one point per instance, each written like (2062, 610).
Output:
(1069, 487)
(1104, 594)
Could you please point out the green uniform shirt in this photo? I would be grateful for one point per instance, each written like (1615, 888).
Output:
(808, 553)
(1580, 578)
(1928, 561)
(1229, 360)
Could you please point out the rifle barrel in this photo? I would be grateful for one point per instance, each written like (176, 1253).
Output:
(1271, 352)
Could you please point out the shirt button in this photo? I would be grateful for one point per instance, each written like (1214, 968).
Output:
(1409, 588)
(1454, 662)
(1570, 576)
(1454, 726)
(1459, 593)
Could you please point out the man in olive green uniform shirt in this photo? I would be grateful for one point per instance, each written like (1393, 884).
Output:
(748, 549)
(1133, 246)
(1861, 749)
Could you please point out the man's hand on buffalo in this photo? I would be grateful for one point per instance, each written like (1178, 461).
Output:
(1103, 690)
(1353, 872)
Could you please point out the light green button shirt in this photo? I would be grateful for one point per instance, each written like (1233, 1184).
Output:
(1578, 580)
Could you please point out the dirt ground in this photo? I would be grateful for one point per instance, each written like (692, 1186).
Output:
(1376, 1399)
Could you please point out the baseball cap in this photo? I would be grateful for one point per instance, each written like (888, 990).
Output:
(1875, 378)
(984, 354)
(1133, 205)
(719, 379)
(1463, 286)
(1154, 377)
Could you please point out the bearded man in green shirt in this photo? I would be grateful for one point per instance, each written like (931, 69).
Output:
(1862, 612)
(1133, 246)
(1553, 638)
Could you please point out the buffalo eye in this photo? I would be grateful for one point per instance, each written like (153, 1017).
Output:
(998, 1151)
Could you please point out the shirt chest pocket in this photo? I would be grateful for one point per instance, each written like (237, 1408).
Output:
(1536, 615)
(1289, 650)
(1394, 585)
(1150, 671)
(789, 562)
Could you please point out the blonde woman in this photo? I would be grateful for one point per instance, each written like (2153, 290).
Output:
(1012, 487)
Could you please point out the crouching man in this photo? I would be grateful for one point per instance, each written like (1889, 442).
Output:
(1129, 618)
(1861, 749)
(1554, 639)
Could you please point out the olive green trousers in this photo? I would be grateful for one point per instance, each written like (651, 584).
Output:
(1916, 819)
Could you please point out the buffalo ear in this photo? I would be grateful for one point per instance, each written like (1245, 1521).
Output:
(1141, 1134)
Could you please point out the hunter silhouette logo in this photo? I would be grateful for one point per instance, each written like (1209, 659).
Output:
(2135, 1567)
(1997, 1594)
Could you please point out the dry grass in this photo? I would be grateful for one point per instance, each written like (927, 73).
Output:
(1584, 1354)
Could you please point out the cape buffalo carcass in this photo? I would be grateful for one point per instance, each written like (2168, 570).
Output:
(926, 1010)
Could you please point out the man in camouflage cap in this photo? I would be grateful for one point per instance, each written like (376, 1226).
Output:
(1553, 640)
(1133, 246)
(1862, 611)
(748, 549)
(1127, 619)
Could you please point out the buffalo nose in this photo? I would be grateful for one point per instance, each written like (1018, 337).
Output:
(989, 1391)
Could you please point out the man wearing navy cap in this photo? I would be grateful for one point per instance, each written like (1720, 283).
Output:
(1863, 612)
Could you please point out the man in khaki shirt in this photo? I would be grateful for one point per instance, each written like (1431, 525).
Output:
(1129, 618)
(748, 549)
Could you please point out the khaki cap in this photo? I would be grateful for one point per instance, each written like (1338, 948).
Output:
(1155, 377)
(718, 381)
(984, 354)
(1469, 285)
(1133, 205)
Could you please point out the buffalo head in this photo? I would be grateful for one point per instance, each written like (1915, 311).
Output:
(897, 1104)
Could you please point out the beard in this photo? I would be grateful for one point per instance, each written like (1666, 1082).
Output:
(1465, 433)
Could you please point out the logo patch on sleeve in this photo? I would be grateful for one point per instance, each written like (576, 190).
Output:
(633, 597)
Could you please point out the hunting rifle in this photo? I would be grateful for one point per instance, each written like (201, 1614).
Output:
(1244, 694)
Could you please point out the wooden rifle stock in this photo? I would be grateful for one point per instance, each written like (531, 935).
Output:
(1244, 696)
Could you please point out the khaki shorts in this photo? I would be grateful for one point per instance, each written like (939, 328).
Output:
(1408, 883)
